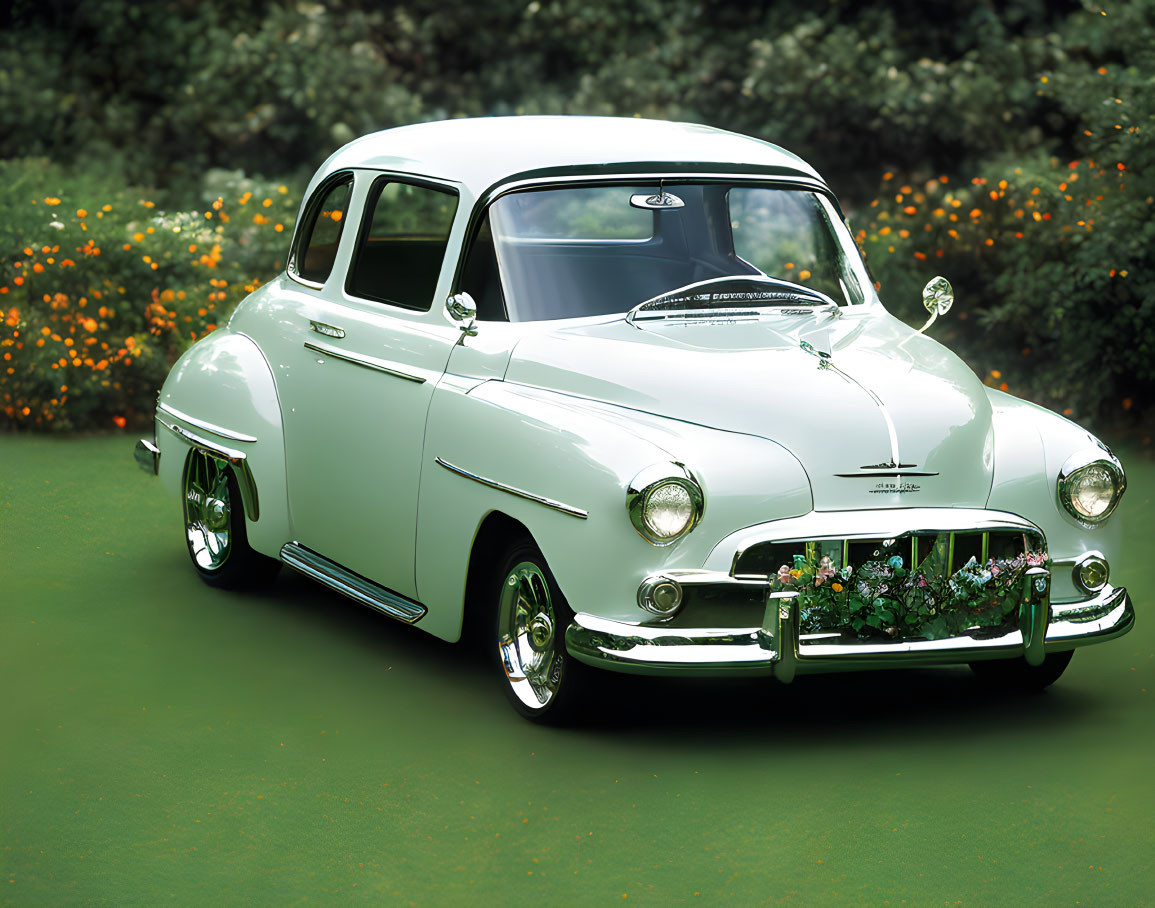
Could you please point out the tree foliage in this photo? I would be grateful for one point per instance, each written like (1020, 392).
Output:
(1038, 95)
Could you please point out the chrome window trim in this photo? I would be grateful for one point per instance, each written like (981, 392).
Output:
(205, 424)
(379, 179)
(513, 490)
(309, 216)
(367, 362)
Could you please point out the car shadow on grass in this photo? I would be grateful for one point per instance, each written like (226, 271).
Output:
(922, 703)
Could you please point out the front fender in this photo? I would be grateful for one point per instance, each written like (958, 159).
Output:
(1031, 446)
(581, 454)
(222, 390)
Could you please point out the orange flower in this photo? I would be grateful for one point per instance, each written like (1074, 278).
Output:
(81, 213)
(120, 421)
(51, 200)
(837, 587)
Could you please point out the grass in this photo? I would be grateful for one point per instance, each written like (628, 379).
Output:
(166, 742)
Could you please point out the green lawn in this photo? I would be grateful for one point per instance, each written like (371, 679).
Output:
(163, 741)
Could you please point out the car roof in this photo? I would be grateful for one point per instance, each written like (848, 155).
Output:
(484, 152)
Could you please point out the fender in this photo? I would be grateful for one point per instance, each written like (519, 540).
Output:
(221, 391)
(1031, 446)
(581, 455)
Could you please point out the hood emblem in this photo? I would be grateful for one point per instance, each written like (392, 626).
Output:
(889, 468)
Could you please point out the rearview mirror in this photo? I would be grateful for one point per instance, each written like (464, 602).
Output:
(462, 308)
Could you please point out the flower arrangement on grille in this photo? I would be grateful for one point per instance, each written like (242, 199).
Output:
(886, 598)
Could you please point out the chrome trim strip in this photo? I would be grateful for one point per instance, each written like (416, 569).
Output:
(368, 362)
(513, 490)
(207, 426)
(236, 459)
(354, 586)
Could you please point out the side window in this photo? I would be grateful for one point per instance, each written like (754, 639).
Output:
(402, 244)
(317, 246)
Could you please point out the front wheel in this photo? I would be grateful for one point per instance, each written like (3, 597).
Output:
(542, 681)
(1015, 674)
(214, 524)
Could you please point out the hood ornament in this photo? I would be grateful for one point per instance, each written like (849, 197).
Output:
(823, 355)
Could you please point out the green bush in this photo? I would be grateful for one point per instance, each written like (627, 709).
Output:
(102, 289)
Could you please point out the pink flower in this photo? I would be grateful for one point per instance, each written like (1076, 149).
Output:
(825, 571)
(784, 575)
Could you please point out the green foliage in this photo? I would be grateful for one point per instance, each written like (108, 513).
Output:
(887, 597)
(102, 289)
(1053, 258)
(164, 93)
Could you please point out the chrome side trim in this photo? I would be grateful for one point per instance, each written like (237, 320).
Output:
(207, 426)
(513, 490)
(359, 589)
(235, 458)
(367, 362)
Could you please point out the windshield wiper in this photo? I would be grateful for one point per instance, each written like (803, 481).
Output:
(731, 296)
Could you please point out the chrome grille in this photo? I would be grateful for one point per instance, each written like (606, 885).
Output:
(763, 559)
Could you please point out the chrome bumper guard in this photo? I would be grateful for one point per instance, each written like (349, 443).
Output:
(147, 456)
(777, 648)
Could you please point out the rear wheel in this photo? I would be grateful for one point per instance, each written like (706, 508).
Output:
(541, 680)
(1016, 674)
(214, 524)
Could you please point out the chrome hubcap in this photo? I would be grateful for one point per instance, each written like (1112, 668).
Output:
(207, 511)
(526, 639)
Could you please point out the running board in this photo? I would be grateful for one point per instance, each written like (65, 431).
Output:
(345, 582)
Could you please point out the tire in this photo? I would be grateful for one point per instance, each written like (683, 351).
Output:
(214, 523)
(542, 681)
(1015, 674)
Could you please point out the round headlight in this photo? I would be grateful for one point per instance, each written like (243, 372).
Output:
(1090, 491)
(665, 503)
(668, 509)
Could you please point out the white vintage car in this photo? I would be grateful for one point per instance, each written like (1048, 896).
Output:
(622, 394)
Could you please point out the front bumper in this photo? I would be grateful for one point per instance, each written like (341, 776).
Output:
(777, 648)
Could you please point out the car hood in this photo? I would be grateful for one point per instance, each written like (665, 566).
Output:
(889, 419)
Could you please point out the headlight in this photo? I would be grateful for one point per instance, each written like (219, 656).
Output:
(1090, 486)
(665, 502)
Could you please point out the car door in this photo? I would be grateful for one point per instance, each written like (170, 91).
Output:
(363, 348)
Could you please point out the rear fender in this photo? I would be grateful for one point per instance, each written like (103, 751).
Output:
(220, 396)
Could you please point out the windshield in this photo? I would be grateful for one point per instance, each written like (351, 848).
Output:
(595, 250)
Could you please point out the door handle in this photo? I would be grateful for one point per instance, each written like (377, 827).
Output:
(327, 330)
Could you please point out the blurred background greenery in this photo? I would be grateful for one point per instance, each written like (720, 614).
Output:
(153, 156)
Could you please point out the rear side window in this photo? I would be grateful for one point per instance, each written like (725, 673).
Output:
(317, 247)
(402, 244)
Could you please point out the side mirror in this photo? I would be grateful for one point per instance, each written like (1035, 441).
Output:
(462, 308)
(937, 297)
